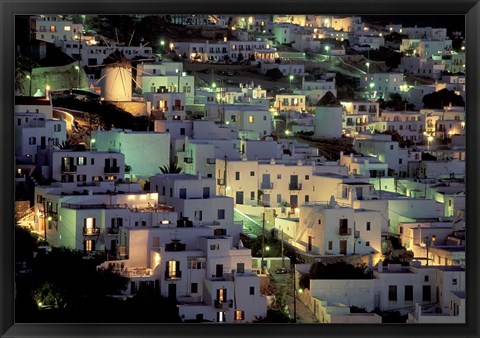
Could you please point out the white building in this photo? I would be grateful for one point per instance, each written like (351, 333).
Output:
(410, 125)
(194, 198)
(285, 68)
(328, 229)
(290, 102)
(315, 90)
(425, 67)
(379, 85)
(165, 105)
(386, 150)
(328, 117)
(51, 28)
(144, 151)
(368, 166)
(34, 132)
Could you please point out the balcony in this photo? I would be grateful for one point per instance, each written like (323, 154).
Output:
(68, 168)
(111, 170)
(294, 186)
(91, 231)
(266, 185)
(220, 181)
(188, 160)
(210, 161)
(223, 305)
(345, 231)
(173, 275)
(112, 231)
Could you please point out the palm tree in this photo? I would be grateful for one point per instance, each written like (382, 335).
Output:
(171, 168)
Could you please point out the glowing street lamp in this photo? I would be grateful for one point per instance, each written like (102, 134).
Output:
(327, 48)
(291, 77)
(429, 139)
(371, 85)
(92, 142)
(368, 67)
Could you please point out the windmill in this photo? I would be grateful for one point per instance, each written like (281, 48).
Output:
(116, 75)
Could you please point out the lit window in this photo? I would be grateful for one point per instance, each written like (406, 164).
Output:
(214, 246)
(67, 28)
(239, 315)
(250, 118)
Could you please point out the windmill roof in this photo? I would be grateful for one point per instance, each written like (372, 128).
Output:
(328, 100)
(115, 57)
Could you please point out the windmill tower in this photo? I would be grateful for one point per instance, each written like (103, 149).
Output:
(116, 78)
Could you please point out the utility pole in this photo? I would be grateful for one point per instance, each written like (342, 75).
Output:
(225, 176)
(294, 297)
(263, 240)
(283, 256)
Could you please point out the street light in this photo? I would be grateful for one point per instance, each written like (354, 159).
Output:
(77, 68)
(29, 85)
(371, 85)
(291, 77)
(92, 142)
(368, 67)
(327, 48)
(429, 139)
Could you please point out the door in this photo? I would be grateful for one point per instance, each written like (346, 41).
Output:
(239, 197)
(343, 247)
(42, 142)
(294, 201)
(172, 291)
(293, 182)
(359, 191)
(206, 192)
(219, 270)
(265, 181)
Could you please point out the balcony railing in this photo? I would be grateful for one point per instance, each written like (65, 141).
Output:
(112, 231)
(91, 231)
(345, 231)
(223, 305)
(111, 170)
(266, 185)
(188, 160)
(175, 275)
(210, 161)
(68, 168)
(295, 186)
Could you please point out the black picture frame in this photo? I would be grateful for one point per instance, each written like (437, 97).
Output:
(10, 8)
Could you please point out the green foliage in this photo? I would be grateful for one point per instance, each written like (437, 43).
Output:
(274, 74)
(171, 168)
(396, 103)
(442, 98)
(339, 270)
(25, 244)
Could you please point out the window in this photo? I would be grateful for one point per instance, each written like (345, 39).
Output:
(367, 243)
(252, 290)
(307, 198)
(67, 28)
(194, 288)
(237, 175)
(32, 140)
(221, 214)
(240, 267)
(173, 269)
(454, 281)
(279, 176)
(251, 118)
(220, 317)
(400, 161)
(182, 131)
(81, 160)
(307, 177)
(252, 195)
(392, 293)
(330, 245)
(239, 315)
(426, 293)
(92, 161)
(426, 279)
(214, 246)
(391, 147)
(408, 293)
(183, 193)
(368, 226)
(252, 173)
(57, 128)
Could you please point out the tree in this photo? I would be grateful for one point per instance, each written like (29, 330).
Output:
(171, 168)
(274, 74)
(442, 98)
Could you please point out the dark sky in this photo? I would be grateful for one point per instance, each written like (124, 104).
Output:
(450, 22)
